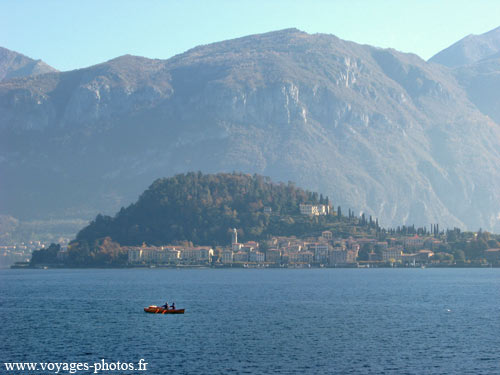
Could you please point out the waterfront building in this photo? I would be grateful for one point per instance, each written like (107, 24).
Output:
(408, 258)
(168, 256)
(200, 254)
(240, 256)
(306, 257)
(302, 257)
(414, 242)
(149, 254)
(152, 254)
(256, 257)
(273, 256)
(320, 251)
(392, 253)
(338, 256)
(227, 256)
(134, 255)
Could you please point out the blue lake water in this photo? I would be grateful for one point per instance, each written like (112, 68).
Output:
(317, 321)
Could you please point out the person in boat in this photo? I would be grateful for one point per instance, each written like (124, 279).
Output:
(173, 305)
(165, 306)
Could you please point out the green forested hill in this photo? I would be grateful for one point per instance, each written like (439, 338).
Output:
(202, 208)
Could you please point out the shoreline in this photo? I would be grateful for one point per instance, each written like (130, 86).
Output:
(252, 266)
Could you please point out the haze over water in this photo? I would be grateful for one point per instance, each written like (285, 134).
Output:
(257, 321)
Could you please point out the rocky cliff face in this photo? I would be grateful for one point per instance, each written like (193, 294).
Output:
(376, 130)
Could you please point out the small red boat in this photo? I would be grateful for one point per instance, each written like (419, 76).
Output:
(162, 310)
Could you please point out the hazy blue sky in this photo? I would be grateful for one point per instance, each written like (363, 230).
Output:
(73, 34)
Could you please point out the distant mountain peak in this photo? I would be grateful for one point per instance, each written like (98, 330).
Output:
(244, 41)
(290, 30)
(129, 60)
(16, 65)
(470, 49)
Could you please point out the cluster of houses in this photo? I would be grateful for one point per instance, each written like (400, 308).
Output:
(409, 250)
(170, 255)
(323, 250)
(292, 251)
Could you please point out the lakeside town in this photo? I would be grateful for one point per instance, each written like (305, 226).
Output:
(322, 250)
(411, 248)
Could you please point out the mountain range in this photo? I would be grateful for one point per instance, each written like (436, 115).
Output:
(377, 130)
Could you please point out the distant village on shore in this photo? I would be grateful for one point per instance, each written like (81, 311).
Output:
(324, 250)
